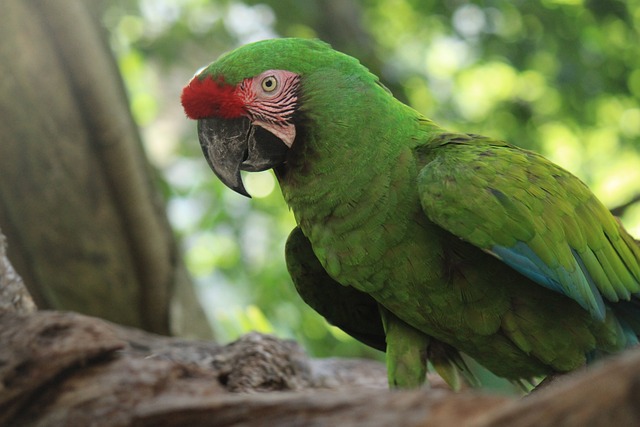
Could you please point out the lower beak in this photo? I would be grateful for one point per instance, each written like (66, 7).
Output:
(231, 145)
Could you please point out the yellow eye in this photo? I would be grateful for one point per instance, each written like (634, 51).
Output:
(269, 84)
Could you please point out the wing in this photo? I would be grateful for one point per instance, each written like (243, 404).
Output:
(531, 214)
(353, 311)
(357, 313)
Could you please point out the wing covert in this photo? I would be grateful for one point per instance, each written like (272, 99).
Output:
(531, 214)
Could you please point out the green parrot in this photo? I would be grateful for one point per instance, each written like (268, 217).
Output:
(417, 241)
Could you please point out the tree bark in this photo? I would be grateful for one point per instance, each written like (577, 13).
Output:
(68, 369)
(14, 296)
(87, 226)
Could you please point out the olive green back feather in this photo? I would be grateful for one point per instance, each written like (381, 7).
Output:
(531, 214)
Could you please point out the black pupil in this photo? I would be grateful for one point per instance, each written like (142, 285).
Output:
(268, 83)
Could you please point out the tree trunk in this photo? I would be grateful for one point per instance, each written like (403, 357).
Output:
(87, 228)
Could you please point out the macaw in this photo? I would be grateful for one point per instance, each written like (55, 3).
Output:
(418, 241)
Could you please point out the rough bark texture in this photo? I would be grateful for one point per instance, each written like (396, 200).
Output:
(87, 227)
(68, 369)
(14, 296)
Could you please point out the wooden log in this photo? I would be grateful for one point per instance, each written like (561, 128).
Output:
(69, 369)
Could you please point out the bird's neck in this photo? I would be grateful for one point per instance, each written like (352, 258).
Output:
(349, 173)
(340, 150)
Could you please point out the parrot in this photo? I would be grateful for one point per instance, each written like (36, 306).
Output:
(430, 245)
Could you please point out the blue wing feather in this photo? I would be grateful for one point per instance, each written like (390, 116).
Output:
(523, 259)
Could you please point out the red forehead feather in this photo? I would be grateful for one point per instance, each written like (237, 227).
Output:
(206, 97)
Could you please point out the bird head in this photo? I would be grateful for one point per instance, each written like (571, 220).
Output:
(249, 102)
(246, 104)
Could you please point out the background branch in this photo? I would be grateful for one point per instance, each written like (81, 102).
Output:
(621, 209)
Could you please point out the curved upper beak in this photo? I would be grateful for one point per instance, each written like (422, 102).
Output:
(231, 145)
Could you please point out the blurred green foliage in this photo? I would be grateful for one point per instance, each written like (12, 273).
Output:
(561, 77)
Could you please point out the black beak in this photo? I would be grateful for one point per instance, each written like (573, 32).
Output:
(231, 145)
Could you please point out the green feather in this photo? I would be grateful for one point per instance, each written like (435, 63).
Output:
(466, 243)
